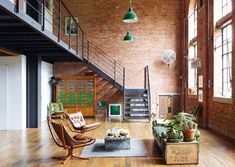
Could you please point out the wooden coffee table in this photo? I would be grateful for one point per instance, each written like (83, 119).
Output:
(117, 139)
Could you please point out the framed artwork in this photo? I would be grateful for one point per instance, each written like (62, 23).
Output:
(200, 95)
(72, 26)
(200, 81)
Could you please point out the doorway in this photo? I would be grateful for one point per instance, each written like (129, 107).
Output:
(168, 103)
(3, 96)
(46, 73)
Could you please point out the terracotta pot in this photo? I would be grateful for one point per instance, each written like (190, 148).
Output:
(189, 134)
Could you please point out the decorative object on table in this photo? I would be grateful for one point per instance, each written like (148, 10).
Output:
(117, 139)
(78, 123)
(97, 150)
(71, 25)
(63, 139)
(78, 93)
(130, 16)
(168, 56)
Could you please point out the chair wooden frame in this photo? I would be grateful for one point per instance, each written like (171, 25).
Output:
(73, 144)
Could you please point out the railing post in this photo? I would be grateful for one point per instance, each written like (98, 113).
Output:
(69, 31)
(82, 44)
(88, 51)
(77, 40)
(43, 15)
(114, 71)
(145, 77)
(17, 6)
(59, 19)
(124, 75)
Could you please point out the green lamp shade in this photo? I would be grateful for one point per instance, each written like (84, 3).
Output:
(130, 16)
(128, 37)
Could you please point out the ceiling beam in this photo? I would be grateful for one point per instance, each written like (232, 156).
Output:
(6, 52)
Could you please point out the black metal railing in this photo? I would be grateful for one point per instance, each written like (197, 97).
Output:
(111, 67)
(147, 86)
(54, 16)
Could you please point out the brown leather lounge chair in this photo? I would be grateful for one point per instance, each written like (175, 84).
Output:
(78, 123)
(66, 141)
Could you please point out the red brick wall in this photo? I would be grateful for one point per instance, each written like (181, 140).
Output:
(218, 116)
(104, 90)
(159, 28)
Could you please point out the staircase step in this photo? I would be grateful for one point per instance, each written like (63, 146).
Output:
(136, 97)
(136, 107)
(136, 117)
(135, 91)
(146, 113)
(136, 102)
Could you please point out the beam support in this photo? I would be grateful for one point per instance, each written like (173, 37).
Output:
(33, 91)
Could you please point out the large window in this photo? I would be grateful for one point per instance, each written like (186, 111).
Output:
(192, 48)
(223, 49)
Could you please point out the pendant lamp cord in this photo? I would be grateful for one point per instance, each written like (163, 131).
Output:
(130, 3)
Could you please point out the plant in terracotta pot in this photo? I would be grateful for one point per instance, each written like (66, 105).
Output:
(188, 126)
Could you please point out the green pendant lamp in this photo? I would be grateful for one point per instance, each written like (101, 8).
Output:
(130, 16)
(128, 37)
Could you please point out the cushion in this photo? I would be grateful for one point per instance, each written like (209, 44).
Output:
(90, 125)
(157, 130)
(83, 139)
(77, 119)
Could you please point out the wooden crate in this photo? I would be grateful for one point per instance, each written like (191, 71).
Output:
(182, 153)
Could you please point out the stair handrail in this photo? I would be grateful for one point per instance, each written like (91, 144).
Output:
(75, 41)
(98, 57)
(147, 86)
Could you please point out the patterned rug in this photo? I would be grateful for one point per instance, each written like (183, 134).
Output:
(137, 149)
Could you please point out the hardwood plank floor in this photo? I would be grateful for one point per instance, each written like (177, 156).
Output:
(35, 147)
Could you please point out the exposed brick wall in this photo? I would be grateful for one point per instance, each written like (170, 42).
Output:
(218, 116)
(159, 28)
(104, 90)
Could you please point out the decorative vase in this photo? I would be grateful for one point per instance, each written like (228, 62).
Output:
(189, 135)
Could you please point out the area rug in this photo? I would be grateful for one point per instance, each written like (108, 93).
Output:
(137, 149)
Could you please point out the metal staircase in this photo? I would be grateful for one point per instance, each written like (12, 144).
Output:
(137, 102)
(37, 28)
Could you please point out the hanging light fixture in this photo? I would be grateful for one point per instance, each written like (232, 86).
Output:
(128, 37)
(130, 16)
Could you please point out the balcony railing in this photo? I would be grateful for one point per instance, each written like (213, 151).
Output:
(55, 17)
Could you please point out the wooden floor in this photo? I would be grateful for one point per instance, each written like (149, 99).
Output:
(34, 147)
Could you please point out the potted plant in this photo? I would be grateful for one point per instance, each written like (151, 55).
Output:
(174, 131)
(188, 126)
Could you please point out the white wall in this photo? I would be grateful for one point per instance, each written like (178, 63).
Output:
(15, 111)
(46, 73)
